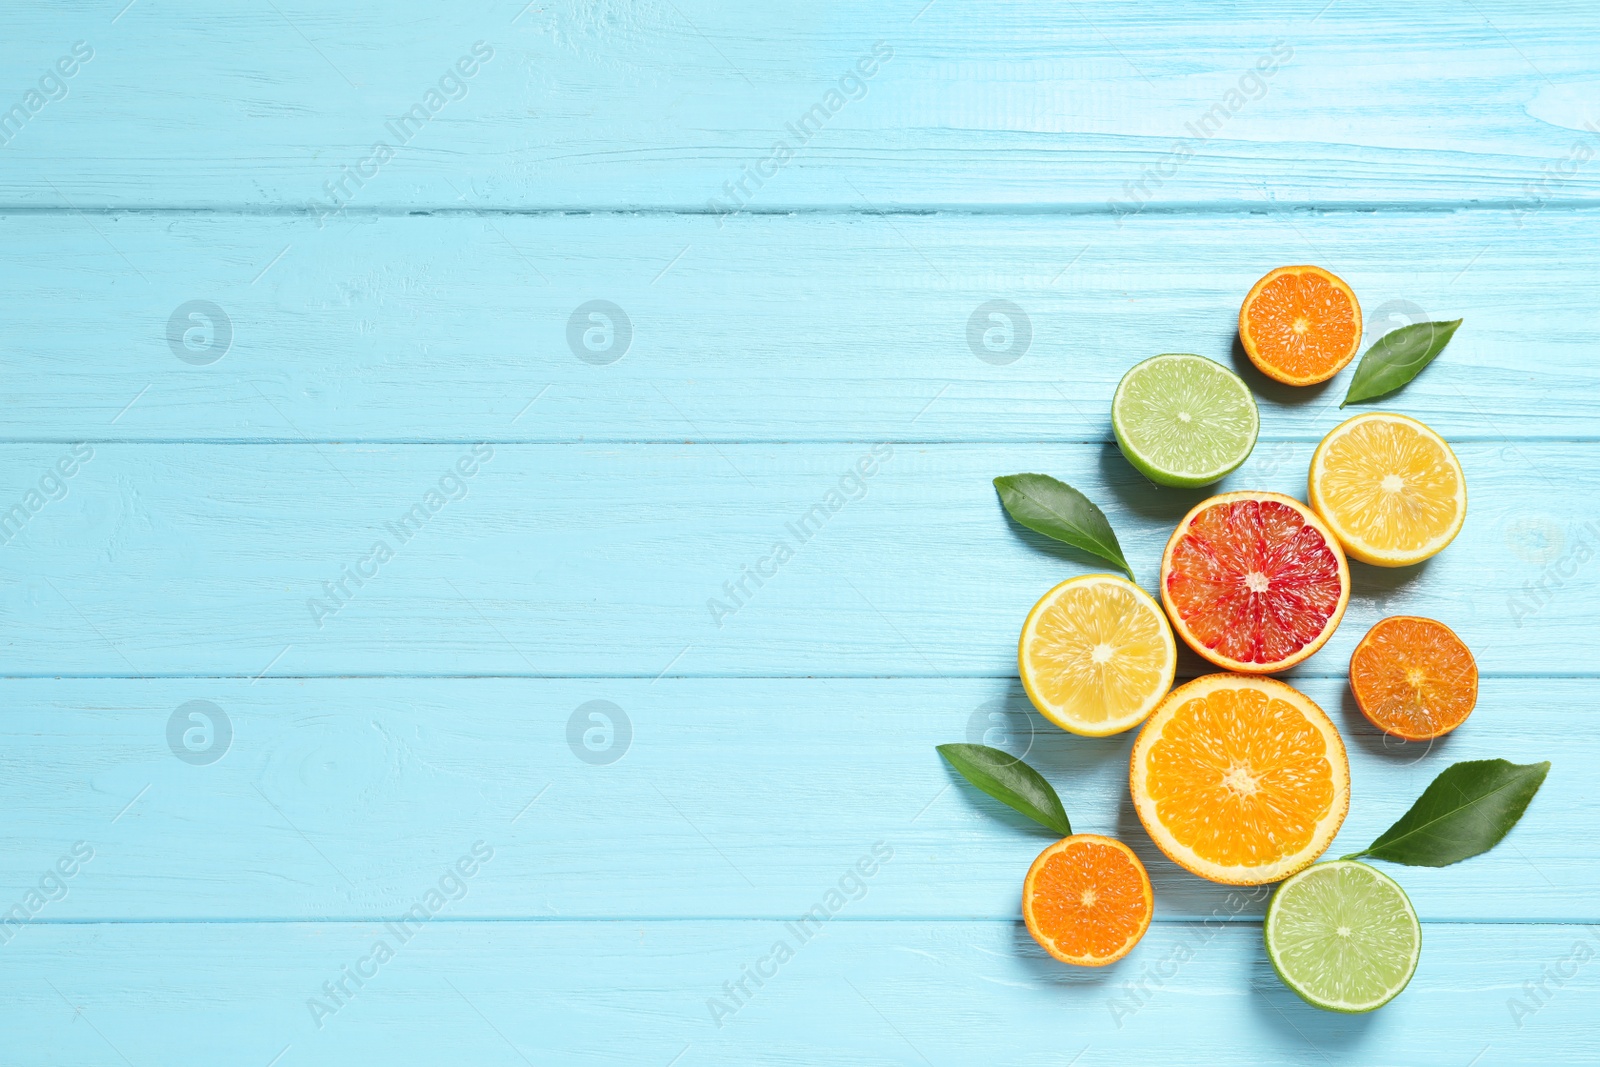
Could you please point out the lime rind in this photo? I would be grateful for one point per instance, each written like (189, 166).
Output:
(1343, 936)
(1184, 420)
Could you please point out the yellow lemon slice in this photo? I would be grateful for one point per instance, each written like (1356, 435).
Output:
(1389, 488)
(1096, 655)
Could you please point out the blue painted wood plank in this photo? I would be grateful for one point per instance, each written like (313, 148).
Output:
(632, 559)
(805, 328)
(688, 798)
(856, 993)
(670, 105)
(1451, 177)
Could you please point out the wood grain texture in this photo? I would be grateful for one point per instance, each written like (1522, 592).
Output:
(336, 798)
(167, 524)
(601, 104)
(816, 327)
(857, 993)
(594, 561)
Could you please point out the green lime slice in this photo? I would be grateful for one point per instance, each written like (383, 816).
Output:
(1343, 935)
(1184, 420)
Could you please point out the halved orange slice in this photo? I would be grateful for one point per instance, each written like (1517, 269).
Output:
(1087, 900)
(1096, 655)
(1239, 779)
(1389, 487)
(1413, 677)
(1254, 582)
(1300, 325)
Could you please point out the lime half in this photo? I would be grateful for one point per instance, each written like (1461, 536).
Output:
(1184, 420)
(1343, 935)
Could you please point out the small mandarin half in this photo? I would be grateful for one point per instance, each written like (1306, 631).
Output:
(1240, 779)
(1389, 487)
(1096, 655)
(1413, 678)
(1087, 900)
(1254, 582)
(1300, 325)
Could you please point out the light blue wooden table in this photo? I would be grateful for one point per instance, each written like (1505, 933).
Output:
(365, 582)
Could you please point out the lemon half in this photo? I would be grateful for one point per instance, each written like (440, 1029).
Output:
(1390, 489)
(1096, 655)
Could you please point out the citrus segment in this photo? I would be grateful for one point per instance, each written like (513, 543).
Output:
(1184, 420)
(1087, 900)
(1254, 582)
(1096, 655)
(1343, 936)
(1300, 325)
(1389, 487)
(1413, 678)
(1240, 779)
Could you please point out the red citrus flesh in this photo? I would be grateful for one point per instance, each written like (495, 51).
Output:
(1254, 582)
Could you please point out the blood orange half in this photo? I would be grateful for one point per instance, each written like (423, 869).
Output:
(1254, 582)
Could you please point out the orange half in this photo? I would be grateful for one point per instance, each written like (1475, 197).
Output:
(1087, 900)
(1300, 325)
(1239, 779)
(1413, 678)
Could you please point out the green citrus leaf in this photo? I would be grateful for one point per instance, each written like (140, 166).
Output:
(1397, 357)
(1055, 509)
(1463, 812)
(1011, 782)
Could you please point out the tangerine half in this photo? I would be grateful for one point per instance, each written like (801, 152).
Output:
(1413, 678)
(1254, 582)
(1240, 779)
(1087, 900)
(1300, 325)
